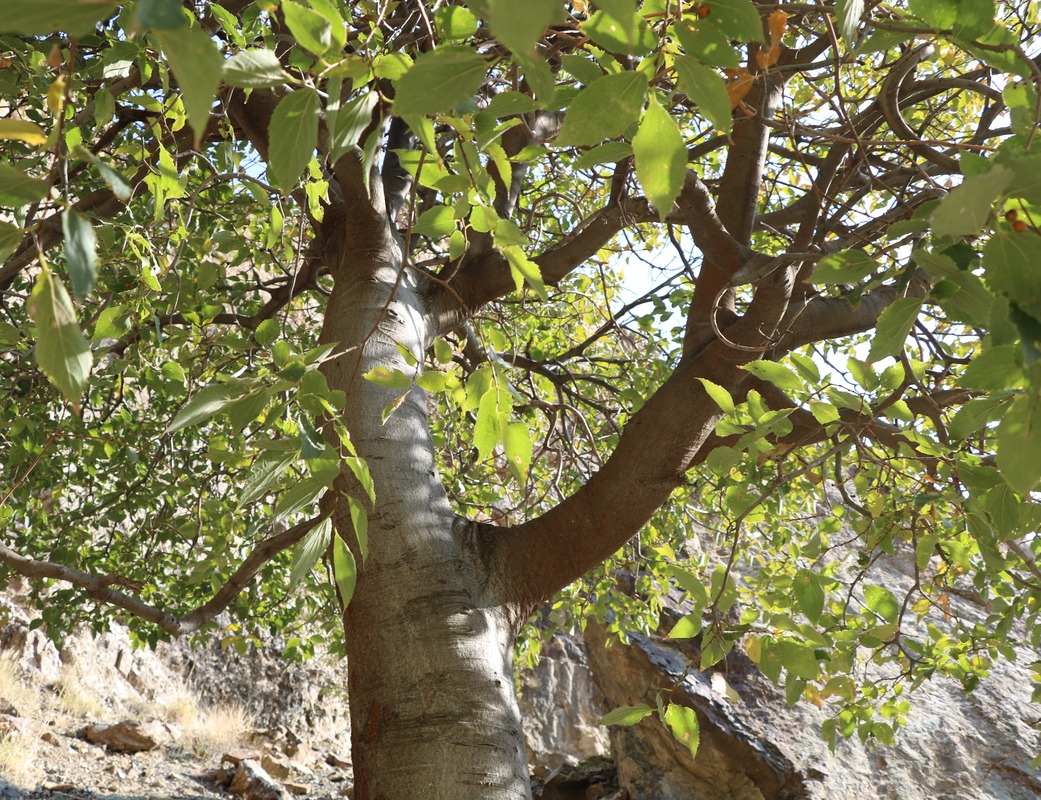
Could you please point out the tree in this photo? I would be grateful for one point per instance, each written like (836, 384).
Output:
(348, 282)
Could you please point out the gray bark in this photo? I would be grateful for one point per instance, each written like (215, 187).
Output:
(429, 641)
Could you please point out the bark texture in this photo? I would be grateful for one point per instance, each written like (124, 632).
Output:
(429, 641)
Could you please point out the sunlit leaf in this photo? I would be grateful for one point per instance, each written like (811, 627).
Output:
(661, 157)
(519, 25)
(255, 68)
(706, 88)
(626, 715)
(894, 324)
(439, 81)
(309, 28)
(22, 131)
(604, 109)
(683, 722)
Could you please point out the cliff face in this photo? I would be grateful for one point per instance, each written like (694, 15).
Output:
(955, 747)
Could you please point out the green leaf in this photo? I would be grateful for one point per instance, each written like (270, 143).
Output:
(155, 15)
(687, 627)
(518, 447)
(524, 269)
(197, 64)
(330, 9)
(705, 87)
(10, 238)
(720, 395)
(845, 266)
(360, 521)
(437, 222)
(607, 153)
(61, 352)
(604, 109)
(661, 157)
(627, 34)
(974, 415)
(965, 210)
(492, 416)
(892, 328)
(18, 189)
(736, 19)
(994, 368)
(255, 69)
(519, 24)
(1011, 262)
(267, 332)
(75, 17)
(882, 602)
(809, 594)
(347, 124)
(293, 134)
(345, 571)
(80, 252)
(848, 13)
(1019, 446)
(302, 494)
(799, 659)
(205, 403)
(683, 722)
(707, 44)
(777, 374)
(455, 22)
(439, 81)
(626, 715)
(309, 550)
(312, 446)
(311, 29)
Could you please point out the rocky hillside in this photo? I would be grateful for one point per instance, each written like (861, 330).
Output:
(99, 719)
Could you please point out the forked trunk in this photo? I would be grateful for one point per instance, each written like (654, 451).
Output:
(429, 642)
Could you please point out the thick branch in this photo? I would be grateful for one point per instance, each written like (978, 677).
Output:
(477, 281)
(659, 445)
(100, 588)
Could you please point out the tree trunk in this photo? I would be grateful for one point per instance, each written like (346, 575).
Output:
(429, 639)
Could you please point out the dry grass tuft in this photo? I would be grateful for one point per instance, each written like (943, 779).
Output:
(18, 752)
(212, 731)
(76, 697)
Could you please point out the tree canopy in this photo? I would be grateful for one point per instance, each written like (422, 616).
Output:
(770, 270)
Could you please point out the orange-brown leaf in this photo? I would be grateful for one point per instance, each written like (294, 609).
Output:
(777, 24)
(739, 84)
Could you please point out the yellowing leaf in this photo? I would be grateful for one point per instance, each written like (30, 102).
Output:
(21, 130)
